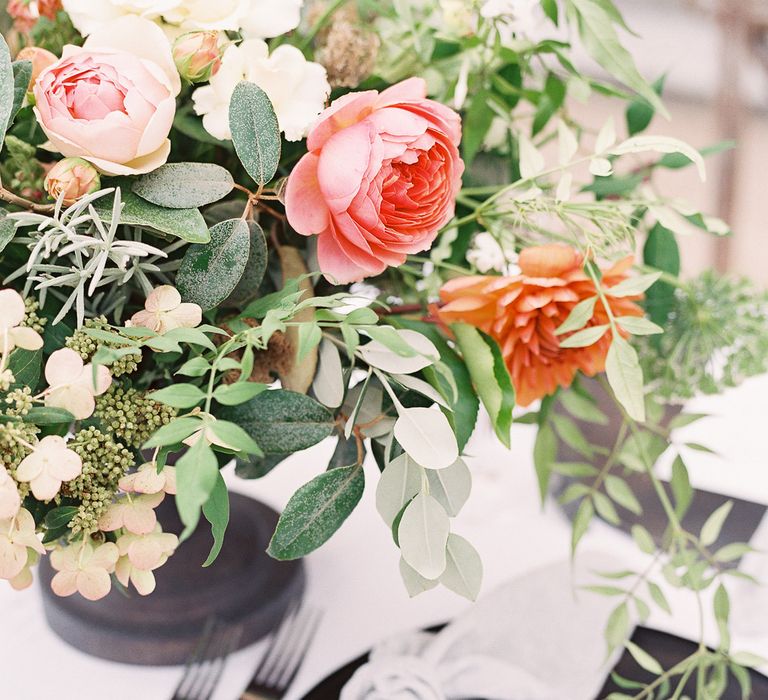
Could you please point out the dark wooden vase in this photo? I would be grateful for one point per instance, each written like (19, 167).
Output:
(243, 585)
(739, 527)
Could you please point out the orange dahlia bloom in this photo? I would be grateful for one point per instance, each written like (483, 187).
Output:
(523, 312)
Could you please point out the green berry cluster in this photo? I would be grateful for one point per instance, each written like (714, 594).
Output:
(131, 416)
(31, 318)
(105, 462)
(13, 435)
(85, 346)
(19, 401)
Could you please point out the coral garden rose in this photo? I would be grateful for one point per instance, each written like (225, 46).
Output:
(112, 102)
(523, 312)
(379, 181)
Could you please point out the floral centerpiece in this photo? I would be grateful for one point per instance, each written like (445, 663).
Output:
(233, 230)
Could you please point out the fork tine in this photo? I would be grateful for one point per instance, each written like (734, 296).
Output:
(295, 660)
(229, 644)
(275, 642)
(191, 666)
(203, 667)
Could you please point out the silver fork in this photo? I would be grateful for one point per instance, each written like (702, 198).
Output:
(204, 668)
(284, 656)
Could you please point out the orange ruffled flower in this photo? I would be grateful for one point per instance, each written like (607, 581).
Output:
(523, 312)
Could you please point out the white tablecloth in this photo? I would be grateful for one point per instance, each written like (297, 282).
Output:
(354, 578)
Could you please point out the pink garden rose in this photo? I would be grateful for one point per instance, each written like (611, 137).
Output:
(379, 181)
(112, 102)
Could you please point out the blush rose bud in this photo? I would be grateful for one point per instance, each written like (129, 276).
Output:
(40, 59)
(197, 56)
(73, 178)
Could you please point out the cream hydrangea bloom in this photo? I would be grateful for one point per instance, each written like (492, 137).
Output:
(51, 464)
(150, 550)
(17, 536)
(24, 579)
(12, 333)
(71, 384)
(147, 480)
(164, 311)
(296, 87)
(135, 514)
(84, 568)
(142, 554)
(10, 500)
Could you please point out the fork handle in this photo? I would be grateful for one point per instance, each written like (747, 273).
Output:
(253, 695)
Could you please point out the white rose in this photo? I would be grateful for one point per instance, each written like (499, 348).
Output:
(89, 16)
(222, 15)
(297, 88)
(270, 18)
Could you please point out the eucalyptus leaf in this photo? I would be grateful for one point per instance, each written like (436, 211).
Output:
(6, 88)
(426, 435)
(399, 483)
(185, 185)
(415, 583)
(464, 569)
(22, 74)
(316, 511)
(386, 353)
(186, 224)
(281, 421)
(210, 273)
(464, 401)
(329, 384)
(423, 536)
(7, 229)
(250, 282)
(451, 486)
(255, 132)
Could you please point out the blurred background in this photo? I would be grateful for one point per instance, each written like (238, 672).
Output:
(714, 54)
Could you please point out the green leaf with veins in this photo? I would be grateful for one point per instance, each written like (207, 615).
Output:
(316, 511)
(210, 273)
(255, 132)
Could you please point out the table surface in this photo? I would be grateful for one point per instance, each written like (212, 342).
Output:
(354, 578)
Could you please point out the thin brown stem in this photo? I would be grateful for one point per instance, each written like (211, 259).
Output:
(14, 199)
